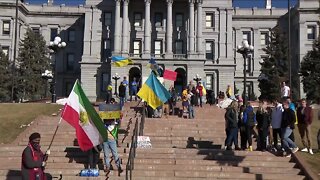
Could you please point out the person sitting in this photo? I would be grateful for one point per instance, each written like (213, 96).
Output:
(33, 160)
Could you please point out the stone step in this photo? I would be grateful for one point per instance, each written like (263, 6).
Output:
(256, 170)
(220, 175)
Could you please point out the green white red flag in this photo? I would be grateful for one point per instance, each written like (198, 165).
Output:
(79, 113)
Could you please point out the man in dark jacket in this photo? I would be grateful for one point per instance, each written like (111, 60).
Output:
(33, 160)
(122, 94)
(304, 115)
(287, 126)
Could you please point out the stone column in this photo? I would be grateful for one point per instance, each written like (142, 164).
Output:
(169, 29)
(229, 48)
(117, 28)
(125, 30)
(147, 30)
(191, 27)
(222, 36)
(199, 29)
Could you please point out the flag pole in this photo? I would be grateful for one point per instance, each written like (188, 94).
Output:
(54, 134)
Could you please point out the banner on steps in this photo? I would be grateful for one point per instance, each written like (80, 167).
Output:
(144, 142)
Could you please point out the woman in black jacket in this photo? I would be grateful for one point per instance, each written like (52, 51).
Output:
(232, 125)
(263, 120)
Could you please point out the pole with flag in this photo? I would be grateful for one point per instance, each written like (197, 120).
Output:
(79, 113)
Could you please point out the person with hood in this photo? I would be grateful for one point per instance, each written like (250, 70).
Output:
(249, 119)
(242, 128)
(33, 160)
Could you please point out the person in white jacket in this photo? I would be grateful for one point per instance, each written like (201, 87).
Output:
(276, 118)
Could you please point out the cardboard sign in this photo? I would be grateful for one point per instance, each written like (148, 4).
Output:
(109, 114)
(109, 111)
(144, 142)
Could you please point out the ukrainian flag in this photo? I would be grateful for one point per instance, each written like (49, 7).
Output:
(121, 61)
(153, 92)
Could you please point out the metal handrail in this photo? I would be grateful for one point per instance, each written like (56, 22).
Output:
(132, 152)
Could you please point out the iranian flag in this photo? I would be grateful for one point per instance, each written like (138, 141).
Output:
(80, 114)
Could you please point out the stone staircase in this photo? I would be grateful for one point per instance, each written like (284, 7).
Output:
(66, 159)
(193, 149)
(181, 149)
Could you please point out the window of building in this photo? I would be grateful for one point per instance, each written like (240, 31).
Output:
(311, 32)
(70, 62)
(250, 94)
(36, 30)
(179, 47)
(158, 48)
(6, 28)
(71, 35)
(107, 48)
(158, 19)
(5, 50)
(247, 36)
(210, 50)
(264, 38)
(53, 33)
(137, 48)
(108, 19)
(179, 20)
(209, 80)
(137, 19)
(249, 64)
(210, 20)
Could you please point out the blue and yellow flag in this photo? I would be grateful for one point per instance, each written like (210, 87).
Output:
(153, 92)
(121, 61)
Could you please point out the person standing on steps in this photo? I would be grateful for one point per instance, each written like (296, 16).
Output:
(200, 93)
(111, 146)
(276, 118)
(134, 89)
(126, 85)
(242, 128)
(232, 125)
(304, 114)
(122, 94)
(287, 126)
(33, 160)
(249, 119)
(263, 119)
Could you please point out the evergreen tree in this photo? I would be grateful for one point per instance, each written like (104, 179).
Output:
(33, 62)
(4, 78)
(274, 67)
(310, 72)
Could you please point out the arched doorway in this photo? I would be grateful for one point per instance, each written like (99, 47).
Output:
(135, 72)
(181, 80)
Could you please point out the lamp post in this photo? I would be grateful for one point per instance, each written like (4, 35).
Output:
(55, 45)
(245, 49)
(197, 78)
(116, 77)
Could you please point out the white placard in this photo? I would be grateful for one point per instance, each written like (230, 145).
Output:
(144, 142)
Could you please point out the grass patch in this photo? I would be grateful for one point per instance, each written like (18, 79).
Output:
(313, 161)
(12, 116)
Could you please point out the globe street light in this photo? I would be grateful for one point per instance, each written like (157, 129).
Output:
(116, 77)
(245, 49)
(197, 78)
(55, 46)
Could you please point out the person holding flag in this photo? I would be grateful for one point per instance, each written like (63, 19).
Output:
(110, 145)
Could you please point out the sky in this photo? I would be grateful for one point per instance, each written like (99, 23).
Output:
(236, 3)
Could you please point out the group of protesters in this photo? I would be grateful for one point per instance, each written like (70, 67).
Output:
(269, 124)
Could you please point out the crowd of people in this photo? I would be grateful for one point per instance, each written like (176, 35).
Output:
(269, 124)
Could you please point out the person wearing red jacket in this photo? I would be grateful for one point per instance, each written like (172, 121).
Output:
(304, 114)
(199, 89)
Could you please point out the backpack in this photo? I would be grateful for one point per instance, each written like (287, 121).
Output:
(250, 119)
